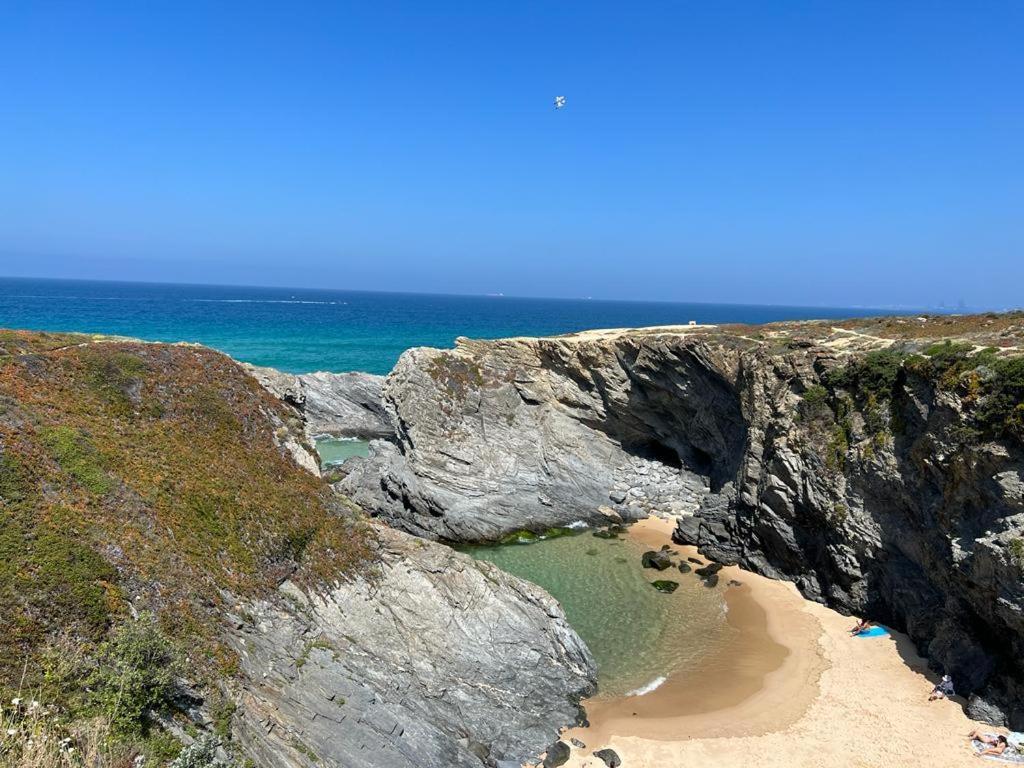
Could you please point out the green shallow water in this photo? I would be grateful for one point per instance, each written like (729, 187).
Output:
(637, 634)
(335, 450)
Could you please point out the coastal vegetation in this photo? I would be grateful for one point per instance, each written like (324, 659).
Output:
(990, 387)
(139, 485)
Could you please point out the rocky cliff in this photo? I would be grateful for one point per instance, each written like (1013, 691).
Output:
(877, 463)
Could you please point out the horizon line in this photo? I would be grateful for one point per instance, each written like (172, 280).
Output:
(498, 296)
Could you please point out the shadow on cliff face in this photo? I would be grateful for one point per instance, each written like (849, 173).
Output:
(680, 410)
(946, 582)
(903, 511)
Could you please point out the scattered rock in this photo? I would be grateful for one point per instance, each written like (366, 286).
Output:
(654, 559)
(609, 757)
(695, 560)
(685, 568)
(709, 570)
(577, 743)
(610, 532)
(711, 581)
(665, 585)
(734, 583)
(557, 754)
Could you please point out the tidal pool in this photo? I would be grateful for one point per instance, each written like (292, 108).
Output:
(335, 450)
(638, 635)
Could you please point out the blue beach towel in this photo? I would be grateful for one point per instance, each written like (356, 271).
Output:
(875, 631)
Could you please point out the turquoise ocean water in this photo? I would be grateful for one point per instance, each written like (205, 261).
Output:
(301, 330)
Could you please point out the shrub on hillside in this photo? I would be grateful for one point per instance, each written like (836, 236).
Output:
(201, 753)
(135, 675)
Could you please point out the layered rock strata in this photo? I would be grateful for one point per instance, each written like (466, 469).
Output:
(432, 659)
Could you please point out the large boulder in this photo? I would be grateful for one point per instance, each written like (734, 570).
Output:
(557, 754)
(659, 560)
(609, 757)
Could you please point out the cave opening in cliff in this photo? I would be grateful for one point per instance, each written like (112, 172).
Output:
(655, 450)
(700, 461)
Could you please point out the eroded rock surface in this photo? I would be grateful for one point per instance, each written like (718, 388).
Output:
(432, 659)
(338, 404)
(534, 433)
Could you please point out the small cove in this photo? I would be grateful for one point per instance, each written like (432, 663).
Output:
(638, 635)
(336, 450)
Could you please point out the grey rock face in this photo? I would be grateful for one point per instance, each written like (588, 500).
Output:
(913, 529)
(433, 659)
(533, 433)
(339, 404)
(345, 404)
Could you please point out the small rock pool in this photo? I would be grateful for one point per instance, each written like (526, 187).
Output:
(638, 635)
(335, 450)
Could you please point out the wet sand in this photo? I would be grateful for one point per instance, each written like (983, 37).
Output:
(791, 689)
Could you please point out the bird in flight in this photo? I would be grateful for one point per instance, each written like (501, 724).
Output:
(559, 102)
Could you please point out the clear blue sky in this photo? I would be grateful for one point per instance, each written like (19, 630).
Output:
(822, 153)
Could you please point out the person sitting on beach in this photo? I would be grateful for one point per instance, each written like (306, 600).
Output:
(996, 744)
(942, 690)
(863, 625)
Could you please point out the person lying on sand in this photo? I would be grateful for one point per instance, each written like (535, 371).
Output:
(863, 625)
(943, 690)
(996, 744)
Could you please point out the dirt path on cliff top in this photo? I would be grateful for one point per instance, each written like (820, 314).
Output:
(833, 701)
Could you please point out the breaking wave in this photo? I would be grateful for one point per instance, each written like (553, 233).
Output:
(655, 683)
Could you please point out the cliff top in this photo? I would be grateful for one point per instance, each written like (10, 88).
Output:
(1002, 331)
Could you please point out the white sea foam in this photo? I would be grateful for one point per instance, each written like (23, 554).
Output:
(333, 438)
(576, 524)
(655, 683)
(264, 301)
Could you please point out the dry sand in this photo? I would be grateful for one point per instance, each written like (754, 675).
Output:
(793, 690)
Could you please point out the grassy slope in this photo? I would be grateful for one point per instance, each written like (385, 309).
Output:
(147, 473)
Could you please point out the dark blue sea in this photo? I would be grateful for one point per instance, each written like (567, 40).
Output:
(301, 330)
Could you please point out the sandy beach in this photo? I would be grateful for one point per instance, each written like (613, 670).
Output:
(793, 690)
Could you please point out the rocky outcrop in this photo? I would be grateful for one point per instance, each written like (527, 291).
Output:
(337, 404)
(522, 433)
(889, 502)
(431, 659)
